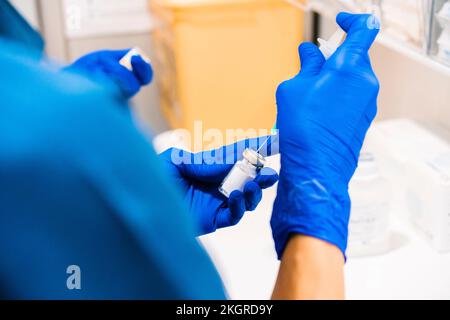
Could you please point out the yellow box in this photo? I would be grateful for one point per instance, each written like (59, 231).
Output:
(222, 60)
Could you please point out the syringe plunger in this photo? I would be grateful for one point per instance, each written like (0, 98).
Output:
(329, 47)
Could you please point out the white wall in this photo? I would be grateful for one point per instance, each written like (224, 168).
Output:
(410, 88)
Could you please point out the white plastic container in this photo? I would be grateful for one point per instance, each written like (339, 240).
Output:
(369, 218)
(444, 46)
(243, 172)
(419, 157)
(444, 16)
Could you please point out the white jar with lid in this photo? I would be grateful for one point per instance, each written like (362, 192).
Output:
(369, 218)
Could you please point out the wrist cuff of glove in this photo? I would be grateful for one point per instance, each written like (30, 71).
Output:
(284, 236)
(313, 208)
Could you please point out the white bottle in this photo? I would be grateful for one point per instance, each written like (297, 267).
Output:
(243, 171)
(369, 218)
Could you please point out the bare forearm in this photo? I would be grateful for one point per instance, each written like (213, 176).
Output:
(310, 269)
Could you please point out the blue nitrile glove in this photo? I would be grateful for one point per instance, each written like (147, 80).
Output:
(323, 116)
(200, 176)
(102, 65)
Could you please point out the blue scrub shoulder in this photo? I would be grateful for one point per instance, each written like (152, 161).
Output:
(81, 186)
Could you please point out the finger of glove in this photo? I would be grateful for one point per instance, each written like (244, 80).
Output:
(266, 177)
(198, 166)
(362, 30)
(125, 79)
(311, 59)
(252, 195)
(116, 55)
(142, 70)
(230, 216)
(214, 165)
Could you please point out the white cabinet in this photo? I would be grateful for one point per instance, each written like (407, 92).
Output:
(86, 18)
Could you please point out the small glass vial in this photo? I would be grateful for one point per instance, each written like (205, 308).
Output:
(243, 171)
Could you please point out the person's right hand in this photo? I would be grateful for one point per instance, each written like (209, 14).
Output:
(323, 116)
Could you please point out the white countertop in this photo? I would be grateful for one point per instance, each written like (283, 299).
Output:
(246, 260)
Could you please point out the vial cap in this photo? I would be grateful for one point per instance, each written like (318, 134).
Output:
(254, 158)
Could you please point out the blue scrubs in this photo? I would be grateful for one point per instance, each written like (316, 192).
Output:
(80, 185)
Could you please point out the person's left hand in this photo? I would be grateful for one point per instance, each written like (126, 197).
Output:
(200, 176)
(105, 64)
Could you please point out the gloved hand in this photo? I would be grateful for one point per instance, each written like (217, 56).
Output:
(323, 116)
(200, 176)
(102, 65)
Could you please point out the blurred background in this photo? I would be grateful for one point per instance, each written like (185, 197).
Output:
(220, 61)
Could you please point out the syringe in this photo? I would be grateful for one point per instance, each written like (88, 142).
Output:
(126, 59)
(268, 138)
(328, 48)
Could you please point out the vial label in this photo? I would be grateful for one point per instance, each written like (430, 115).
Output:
(238, 177)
